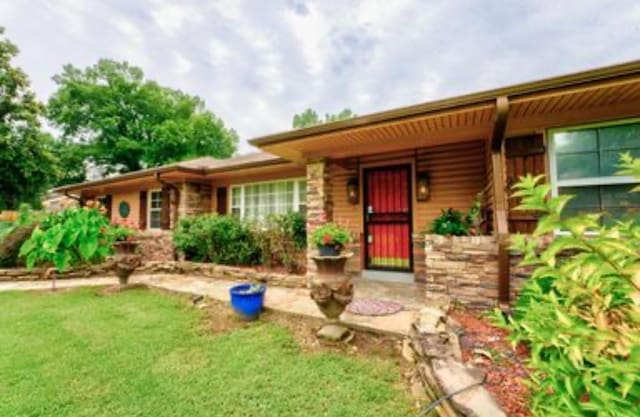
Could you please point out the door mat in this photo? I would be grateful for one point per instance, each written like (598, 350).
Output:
(373, 307)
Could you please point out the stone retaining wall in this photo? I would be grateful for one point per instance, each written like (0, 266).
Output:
(463, 268)
(156, 245)
(166, 267)
(433, 348)
(40, 274)
(224, 272)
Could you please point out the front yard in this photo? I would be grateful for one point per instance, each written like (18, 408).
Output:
(142, 353)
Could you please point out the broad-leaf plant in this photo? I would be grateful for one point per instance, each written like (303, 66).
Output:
(580, 311)
(70, 237)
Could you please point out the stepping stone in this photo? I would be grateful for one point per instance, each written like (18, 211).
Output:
(334, 332)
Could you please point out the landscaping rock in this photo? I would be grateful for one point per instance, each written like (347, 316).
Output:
(334, 333)
(453, 376)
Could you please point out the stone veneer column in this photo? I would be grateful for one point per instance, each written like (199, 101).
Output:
(194, 199)
(319, 203)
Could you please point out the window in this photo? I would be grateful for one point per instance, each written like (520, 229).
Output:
(258, 200)
(154, 209)
(584, 162)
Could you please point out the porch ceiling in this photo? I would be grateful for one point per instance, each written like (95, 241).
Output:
(415, 132)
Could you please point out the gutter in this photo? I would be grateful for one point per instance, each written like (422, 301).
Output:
(487, 97)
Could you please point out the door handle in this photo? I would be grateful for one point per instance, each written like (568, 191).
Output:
(369, 238)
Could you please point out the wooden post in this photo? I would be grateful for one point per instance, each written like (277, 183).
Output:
(500, 206)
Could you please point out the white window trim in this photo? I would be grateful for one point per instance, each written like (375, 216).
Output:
(296, 193)
(556, 184)
(149, 192)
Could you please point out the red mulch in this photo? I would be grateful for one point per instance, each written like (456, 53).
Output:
(505, 370)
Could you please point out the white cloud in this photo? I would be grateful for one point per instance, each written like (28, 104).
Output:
(258, 63)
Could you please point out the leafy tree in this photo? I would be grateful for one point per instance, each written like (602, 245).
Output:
(580, 310)
(26, 162)
(71, 158)
(128, 122)
(309, 118)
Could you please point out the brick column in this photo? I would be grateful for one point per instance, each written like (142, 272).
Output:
(319, 203)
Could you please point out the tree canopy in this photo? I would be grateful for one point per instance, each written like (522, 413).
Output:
(126, 122)
(27, 164)
(310, 117)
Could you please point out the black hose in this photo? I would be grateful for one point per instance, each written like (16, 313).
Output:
(440, 400)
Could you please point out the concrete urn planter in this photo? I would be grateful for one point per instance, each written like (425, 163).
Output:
(126, 260)
(332, 291)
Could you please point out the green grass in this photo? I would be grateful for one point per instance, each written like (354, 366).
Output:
(140, 353)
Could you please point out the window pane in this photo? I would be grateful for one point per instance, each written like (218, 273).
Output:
(156, 199)
(572, 166)
(154, 219)
(579, 141)
(302, 191)
(609, 160)
(615, 201)
(620, 137)
(583, 197)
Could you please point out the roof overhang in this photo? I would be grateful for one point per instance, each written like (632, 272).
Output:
(612, 91)
(171, 174)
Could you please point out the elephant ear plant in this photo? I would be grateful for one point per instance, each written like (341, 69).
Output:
(71, 237)
(580, 311)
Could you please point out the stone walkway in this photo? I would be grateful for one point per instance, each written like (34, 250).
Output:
(295, 301)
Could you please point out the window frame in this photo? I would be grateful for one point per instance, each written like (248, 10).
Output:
(556, 184)
(150, 209)
(242, 186)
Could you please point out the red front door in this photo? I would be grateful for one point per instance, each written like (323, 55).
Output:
(387, 218)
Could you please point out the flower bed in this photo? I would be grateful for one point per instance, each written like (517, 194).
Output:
(487, 347)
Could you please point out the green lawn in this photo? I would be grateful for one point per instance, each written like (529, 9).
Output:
(140, 353)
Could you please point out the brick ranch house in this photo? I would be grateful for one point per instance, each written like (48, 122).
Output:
(387, 175)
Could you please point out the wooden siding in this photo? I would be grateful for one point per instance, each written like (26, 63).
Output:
(457, 173)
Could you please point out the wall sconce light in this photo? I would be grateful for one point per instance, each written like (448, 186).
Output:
(353, 190)
(422, 186)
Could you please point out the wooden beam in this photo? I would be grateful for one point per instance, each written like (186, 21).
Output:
(500, 206)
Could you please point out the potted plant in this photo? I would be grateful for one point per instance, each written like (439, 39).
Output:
(247, 300)
(126, 259)
(330, 239)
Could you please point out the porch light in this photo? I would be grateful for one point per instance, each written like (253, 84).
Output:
(422, 186)
(353, 190)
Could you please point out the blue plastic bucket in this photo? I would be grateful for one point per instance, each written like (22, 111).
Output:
(247, 303)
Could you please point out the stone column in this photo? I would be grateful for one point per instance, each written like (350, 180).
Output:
(319, 203)
(194, 199)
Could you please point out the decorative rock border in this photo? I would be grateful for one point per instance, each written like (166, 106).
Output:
(224, 272)
(165, 267)
(434, 349)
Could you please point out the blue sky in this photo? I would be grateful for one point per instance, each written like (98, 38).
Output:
(257, 63)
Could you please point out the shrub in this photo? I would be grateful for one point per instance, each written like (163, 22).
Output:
(580, 310)
(224, 240)
(331, 234)
(283, 241)
(450, 223)
(14, 234)
(69, 238)
(11, 243)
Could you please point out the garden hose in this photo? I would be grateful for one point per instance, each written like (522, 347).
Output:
(426, 410)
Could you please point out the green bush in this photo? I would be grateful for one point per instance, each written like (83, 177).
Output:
(69, 238)
(580, 310)
(11, 243)
(224, 240)
(450, 223)
(282, 239)
(14, 234)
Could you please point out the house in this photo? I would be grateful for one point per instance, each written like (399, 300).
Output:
(387, 175)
